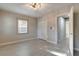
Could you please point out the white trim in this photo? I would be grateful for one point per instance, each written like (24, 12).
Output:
(49, 41)
(17, 41)
(76, 49)
(53, 42)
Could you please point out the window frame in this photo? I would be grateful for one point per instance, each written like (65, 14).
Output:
(27, 25)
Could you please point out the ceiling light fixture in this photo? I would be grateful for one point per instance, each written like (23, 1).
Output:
(35, 5)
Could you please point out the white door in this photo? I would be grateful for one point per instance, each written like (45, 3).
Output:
(42, 29)
(71, 31)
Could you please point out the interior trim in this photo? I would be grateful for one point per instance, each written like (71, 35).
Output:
(53, 42)
(17, 41)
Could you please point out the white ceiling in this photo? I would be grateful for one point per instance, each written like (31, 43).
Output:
(45, 8)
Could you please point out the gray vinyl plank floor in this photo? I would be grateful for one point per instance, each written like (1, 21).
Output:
(34, 47)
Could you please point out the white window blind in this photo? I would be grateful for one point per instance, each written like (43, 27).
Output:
(22, 26)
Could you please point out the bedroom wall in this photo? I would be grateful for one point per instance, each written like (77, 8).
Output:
(51, 19)
(8, 27)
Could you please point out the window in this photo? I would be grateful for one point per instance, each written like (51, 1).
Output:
(22, 26)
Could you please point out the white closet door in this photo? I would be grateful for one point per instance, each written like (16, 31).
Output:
(42, 29)
(71, 31)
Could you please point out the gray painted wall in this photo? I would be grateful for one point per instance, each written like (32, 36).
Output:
(8, 27)
(51, 19)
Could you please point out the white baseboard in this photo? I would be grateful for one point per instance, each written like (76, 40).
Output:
(76, 49)
(49, 41)
(17, 41)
